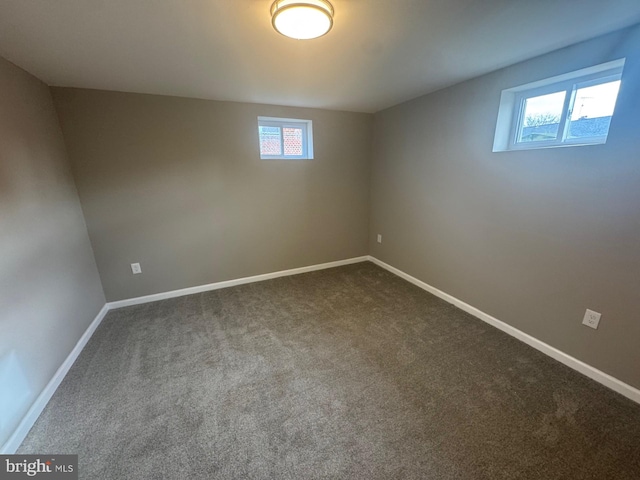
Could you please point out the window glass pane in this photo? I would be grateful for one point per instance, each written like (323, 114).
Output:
(270, 143)
(593, 109)
(292, 140)
(541, 117)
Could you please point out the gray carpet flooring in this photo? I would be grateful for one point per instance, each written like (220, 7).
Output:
(348, 373)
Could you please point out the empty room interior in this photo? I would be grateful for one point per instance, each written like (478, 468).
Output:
(342, 239)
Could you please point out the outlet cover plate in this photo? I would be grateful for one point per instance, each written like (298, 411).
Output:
(135, 268)
(591, 319)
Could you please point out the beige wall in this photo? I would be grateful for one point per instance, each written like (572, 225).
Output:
(177, 185)
(49, 286)
(531, 237)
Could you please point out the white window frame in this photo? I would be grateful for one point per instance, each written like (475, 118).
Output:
(307, 137)
(512, 106)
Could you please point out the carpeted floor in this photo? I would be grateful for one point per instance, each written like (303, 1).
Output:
(348, 373)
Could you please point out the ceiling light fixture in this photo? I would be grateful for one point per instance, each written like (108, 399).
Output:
(302, 19)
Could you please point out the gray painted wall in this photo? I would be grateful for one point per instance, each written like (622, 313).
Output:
(50, 290)
(531, 237)
(177, 185)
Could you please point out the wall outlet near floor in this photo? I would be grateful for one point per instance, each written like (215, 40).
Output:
(379, 238)
(135, 268)
(591, 319)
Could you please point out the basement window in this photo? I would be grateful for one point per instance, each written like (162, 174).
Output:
(568, 110)
(285, 138)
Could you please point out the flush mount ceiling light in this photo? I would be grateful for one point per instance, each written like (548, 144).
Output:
(302, 19)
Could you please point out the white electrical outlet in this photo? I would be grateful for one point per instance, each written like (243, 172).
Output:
(135, 268)
(591, 319)
(379, 238)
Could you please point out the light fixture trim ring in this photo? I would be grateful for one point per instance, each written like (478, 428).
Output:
(302, 3)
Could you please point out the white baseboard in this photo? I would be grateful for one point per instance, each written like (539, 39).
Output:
(20, 433)
(578, 365)
(230, 283)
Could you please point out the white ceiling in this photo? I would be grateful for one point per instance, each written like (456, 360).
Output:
(379, 53)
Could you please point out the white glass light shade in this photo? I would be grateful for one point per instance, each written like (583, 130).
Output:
(302, 19)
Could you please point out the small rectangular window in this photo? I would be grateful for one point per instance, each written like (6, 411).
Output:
(571, 109)
(285, 138)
